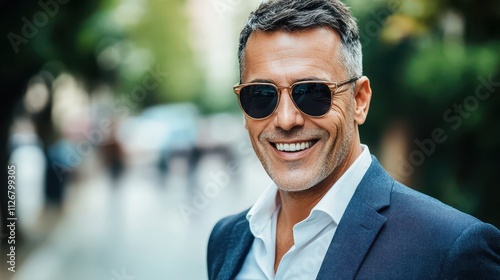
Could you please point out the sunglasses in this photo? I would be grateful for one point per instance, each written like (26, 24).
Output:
(313, 98)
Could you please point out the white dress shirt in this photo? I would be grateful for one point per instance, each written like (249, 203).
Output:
(311, 236)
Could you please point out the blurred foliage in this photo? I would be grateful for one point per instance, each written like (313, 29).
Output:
(426, 60)
(133, 38)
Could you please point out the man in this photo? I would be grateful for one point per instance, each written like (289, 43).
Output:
(332, 212)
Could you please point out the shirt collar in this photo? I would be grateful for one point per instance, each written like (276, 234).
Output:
(262, 211)
(333, 203)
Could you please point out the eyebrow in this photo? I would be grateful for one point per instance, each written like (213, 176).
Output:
(311, 78)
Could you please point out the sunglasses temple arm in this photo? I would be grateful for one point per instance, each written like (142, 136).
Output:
(346, 82)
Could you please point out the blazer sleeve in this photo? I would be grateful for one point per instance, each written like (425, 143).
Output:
(475, 254)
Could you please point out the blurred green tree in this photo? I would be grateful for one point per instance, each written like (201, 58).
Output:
(434, 67)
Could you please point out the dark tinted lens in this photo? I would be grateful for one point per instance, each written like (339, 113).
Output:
(258, 101)
(313, 99)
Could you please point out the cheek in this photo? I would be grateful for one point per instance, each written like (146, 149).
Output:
(337, 120)
(254, 138)
(343, 108)
(340, 116)
(254, 128)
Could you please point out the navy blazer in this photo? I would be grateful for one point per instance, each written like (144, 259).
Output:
(388, 231)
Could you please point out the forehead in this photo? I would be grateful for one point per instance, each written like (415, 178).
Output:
(283, 57)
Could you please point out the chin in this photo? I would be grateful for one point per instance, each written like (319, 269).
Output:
(297, 184)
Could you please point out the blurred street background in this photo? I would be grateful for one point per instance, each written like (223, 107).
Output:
(129, 145)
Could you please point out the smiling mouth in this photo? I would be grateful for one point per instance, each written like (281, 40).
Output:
(294, 147)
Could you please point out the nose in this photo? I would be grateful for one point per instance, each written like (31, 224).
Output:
(287, 115)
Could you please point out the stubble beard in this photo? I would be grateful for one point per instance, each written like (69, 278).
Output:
(299, 177)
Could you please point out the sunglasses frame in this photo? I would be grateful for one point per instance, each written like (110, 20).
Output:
(333, 86)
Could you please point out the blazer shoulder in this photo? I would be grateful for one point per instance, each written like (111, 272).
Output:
(219, 241)
(438, 240)
(475, 254)
(422, 207)
(226, 224)
(449, 228)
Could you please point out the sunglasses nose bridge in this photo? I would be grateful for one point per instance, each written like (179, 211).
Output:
(283, 88)
(284, 93)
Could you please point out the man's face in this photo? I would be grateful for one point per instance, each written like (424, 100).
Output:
(283, 58)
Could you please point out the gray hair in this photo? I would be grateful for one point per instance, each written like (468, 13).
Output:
(295, 15)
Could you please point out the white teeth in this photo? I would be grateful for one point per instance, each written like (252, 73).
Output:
(293, 147)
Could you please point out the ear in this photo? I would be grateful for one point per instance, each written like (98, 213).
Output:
(362, 97)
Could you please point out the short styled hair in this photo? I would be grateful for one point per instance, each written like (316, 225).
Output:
(296, 15)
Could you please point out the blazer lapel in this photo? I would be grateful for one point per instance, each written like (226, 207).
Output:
(359, 225)
(240, 242)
